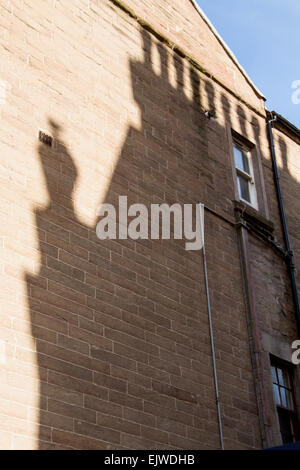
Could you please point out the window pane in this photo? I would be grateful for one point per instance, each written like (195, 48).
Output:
(285, 426)
(287, 379)
(289, 399)
(283, 398)
(286, 398)
(277, 396)
(274, 375)
(243, 187)
(241, 160)
(284, 379)
(281, 377)
(238, 158)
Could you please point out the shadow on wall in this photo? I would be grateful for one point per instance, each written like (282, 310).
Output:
(95, 304)
(101, 311)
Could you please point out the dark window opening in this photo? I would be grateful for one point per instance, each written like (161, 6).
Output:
(284, 392)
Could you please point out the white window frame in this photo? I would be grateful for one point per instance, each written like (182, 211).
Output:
(247, 176)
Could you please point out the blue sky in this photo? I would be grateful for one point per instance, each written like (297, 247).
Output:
(265, 37)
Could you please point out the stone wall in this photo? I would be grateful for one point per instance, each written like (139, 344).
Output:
(105, 344)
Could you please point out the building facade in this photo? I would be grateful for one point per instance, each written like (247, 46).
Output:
(106, 344)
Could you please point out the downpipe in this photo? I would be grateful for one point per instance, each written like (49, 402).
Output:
(290, 255)
(211, 331)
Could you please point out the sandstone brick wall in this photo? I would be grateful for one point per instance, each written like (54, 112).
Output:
(105, 344)
(287, 151)
(180, 22)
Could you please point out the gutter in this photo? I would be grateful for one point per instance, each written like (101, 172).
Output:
(285, 125)
(290, 255)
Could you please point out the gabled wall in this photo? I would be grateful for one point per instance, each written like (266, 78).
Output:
(105, 344)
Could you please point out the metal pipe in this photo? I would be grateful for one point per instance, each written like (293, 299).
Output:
(290, 254)
(264, 413)
(211, 331)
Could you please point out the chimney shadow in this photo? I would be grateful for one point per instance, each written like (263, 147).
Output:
(106, 314)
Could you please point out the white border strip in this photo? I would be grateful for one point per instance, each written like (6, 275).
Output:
(227, 49)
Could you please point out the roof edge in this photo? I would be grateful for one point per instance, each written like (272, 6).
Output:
(284, 124)
(227, 49)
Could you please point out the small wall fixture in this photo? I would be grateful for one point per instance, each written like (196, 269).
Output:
(211, 114)
(46, 138)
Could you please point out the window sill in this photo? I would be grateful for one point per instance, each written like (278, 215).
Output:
(246, 213)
